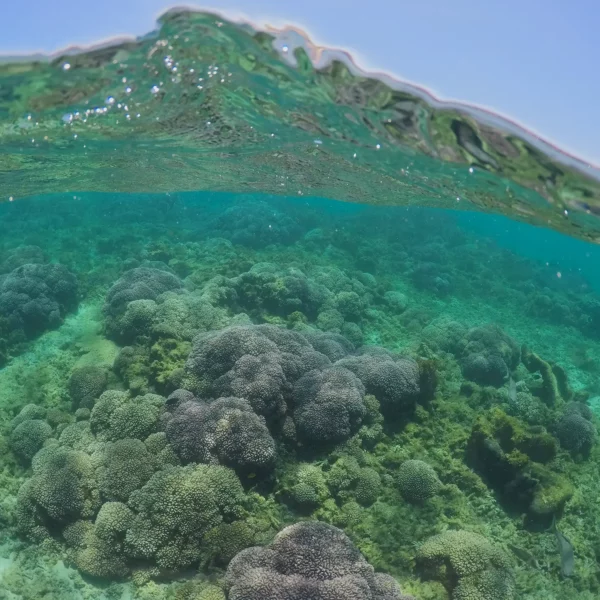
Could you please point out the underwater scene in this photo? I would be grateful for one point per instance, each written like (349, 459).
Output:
(271, 329)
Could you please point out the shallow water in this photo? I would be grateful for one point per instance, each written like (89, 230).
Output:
(350, 338)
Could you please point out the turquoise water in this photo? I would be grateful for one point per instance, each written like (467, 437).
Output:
(319, 378)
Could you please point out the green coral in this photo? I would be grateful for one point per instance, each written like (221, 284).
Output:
(86, 384)
(347, 480)
(117, 415)
(198, 590)
(160, 449)
(167, 355)
(176, 508)
(28, 437)
(78, 436)
(112, 521)
(368, 486)
(417, 480)
(371, 432)
(223, 542)
(29, 411)
(62, 489)
(125, 466)
(94, 555)
(468, 564)
(308, 487)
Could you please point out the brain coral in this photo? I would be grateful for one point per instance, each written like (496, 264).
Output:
(307, 560)
(256, 224)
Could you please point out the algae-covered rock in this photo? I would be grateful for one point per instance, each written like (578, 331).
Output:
(510, 456)
(549, 391)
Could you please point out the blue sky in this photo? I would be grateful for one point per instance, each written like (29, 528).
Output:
(536, 61)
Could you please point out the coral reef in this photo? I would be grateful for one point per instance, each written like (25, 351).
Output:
(345, 404)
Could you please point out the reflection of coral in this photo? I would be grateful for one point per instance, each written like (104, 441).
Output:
(256, 224)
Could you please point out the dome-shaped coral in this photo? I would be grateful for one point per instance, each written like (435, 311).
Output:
(417, 480)
(307, 560)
